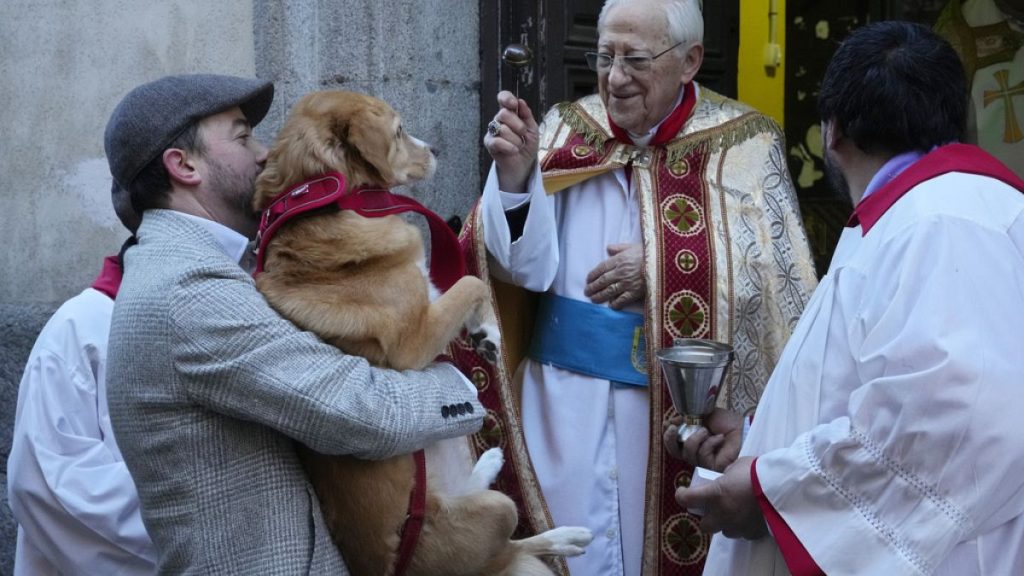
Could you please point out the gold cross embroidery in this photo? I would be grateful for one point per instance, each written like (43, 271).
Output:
(687, 261)
(1013, 132)
(479, 379)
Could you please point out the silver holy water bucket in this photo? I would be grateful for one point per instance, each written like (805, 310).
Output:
(694, 370)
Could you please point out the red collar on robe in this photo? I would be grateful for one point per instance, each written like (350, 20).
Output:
(670, 127)
(965, 158)
(109, 279)
(446, 262)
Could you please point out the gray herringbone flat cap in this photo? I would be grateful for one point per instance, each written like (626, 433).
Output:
(151, 116)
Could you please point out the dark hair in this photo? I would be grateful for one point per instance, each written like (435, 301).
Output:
(123, 207)
(893, 87)
(152, 187)
(128, 243)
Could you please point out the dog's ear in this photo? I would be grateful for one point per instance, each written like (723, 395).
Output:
(306, 146)
(372, 136)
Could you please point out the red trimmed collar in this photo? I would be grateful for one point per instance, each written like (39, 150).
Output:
(446, 262)
(965, 158)
(669, 127)
(109, 280)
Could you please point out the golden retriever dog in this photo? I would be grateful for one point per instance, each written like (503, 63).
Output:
(361, 284)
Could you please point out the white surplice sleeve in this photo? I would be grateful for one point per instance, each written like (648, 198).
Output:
(928, 454)
(531, 261)
(74, 500)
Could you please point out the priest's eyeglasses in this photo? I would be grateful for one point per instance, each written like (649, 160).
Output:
(602, 62)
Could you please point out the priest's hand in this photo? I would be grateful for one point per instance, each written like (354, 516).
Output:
(714, 447)
(512, 139)
(729, 504)
(619, 280)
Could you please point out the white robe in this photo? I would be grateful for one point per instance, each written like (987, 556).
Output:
(889, 434)
(572, 422)
(75, 503)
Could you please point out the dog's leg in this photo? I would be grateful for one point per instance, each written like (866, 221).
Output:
(465, 301)
(468, 535)
(482, 325)
(561, 541)
(521, 557)
(486, 340)
(523, 565)
(472, 535)
(486, 470)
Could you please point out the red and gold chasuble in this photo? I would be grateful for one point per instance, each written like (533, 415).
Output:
(690, 292)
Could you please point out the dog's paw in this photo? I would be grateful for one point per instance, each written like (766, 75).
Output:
(487, 468)
(568, 540)
(486, 341)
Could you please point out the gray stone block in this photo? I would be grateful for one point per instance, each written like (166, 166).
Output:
(420, 57)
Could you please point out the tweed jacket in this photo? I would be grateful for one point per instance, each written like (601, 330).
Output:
(208, 387)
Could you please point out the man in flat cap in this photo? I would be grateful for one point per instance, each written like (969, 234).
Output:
(209, 387)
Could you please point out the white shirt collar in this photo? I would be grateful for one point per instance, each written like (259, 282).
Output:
(232, 243)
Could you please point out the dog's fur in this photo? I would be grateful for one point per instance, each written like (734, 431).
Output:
(360, 284)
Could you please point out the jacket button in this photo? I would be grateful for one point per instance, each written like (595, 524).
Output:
(445, 411)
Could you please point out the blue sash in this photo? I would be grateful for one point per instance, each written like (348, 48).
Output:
(590, 339)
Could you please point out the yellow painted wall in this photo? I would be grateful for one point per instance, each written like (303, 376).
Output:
(759, 86)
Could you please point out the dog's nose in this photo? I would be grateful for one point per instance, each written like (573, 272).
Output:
(434, 151)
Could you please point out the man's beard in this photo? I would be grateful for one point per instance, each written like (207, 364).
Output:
(236, 189)
(836, 178)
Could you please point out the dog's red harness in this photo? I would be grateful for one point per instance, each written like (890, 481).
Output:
(414, 518)
(446, 267)
(446, 263)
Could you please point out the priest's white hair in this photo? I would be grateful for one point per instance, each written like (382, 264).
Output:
(685, 19)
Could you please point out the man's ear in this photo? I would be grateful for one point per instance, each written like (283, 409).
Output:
(181, 167)
(831, 135)
(692, 60)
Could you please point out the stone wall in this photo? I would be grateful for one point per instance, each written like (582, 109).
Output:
(421, 56)
(66, 65)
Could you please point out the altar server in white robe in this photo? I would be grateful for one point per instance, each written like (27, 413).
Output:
(68, 486)
(888, 439)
